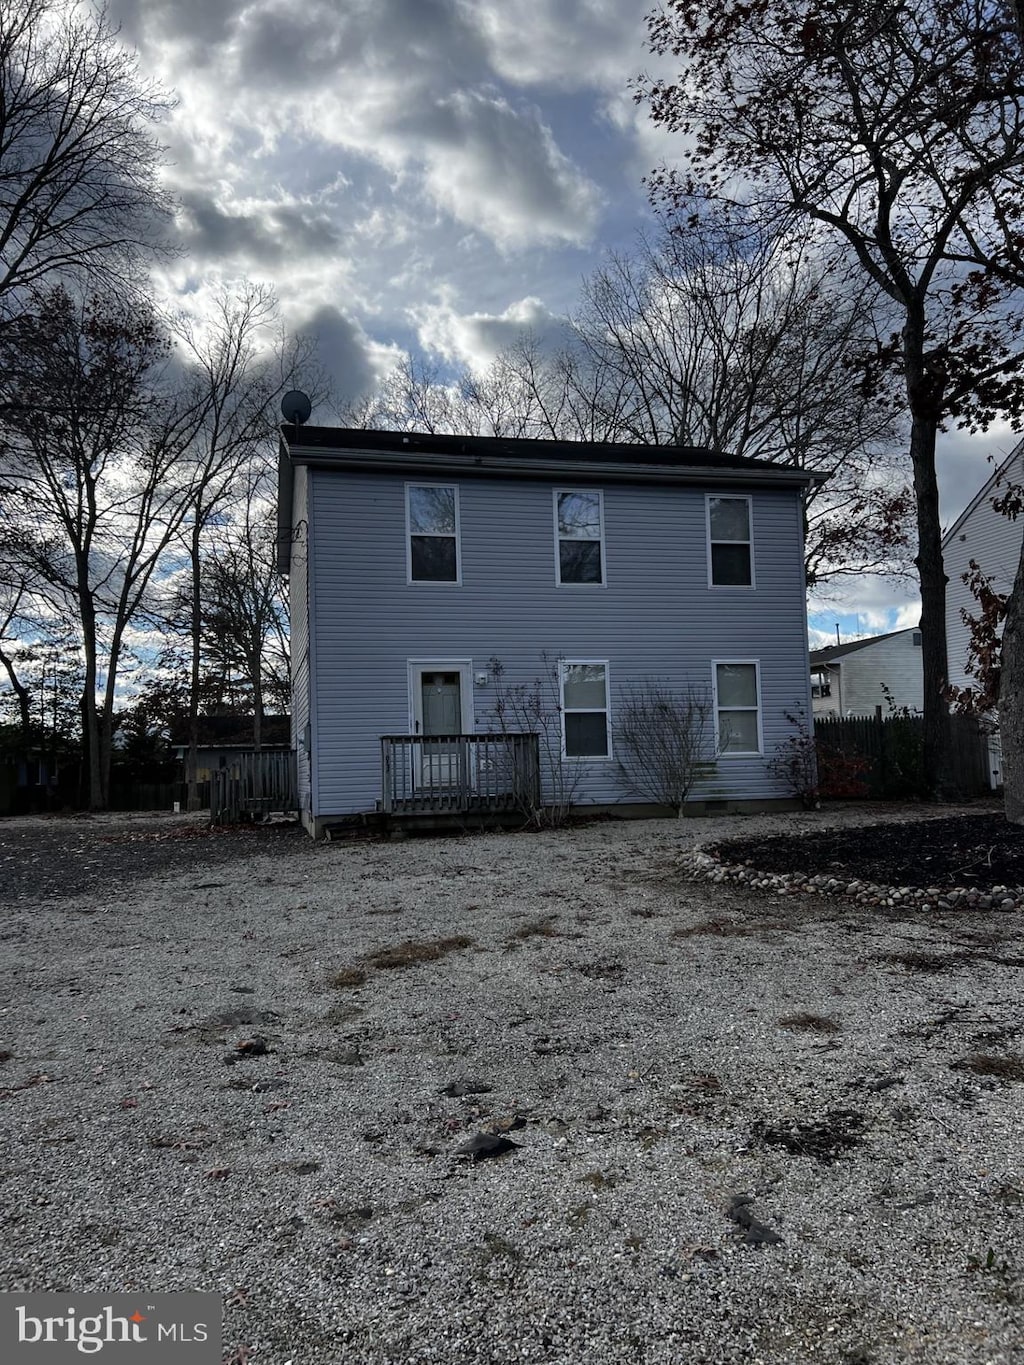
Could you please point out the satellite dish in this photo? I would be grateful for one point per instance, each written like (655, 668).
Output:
(296, 407)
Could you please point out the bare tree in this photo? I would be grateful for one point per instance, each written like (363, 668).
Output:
(238, 365)
(742, 341)
(416, 396)
(94, 489)
(898, 128)
(13, 612)
(78, 162)
(711, 338)
(998, 660)
(245, 622)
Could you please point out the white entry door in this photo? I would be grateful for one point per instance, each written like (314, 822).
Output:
(439, 707)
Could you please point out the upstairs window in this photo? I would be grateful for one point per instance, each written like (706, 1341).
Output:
(579, 526)
(585, 729)
(432, 512)
(729, 545)
(738, 708)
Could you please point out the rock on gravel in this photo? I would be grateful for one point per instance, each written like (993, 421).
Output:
(680, 1064)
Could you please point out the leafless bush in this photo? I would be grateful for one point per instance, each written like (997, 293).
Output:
(664, 742)
(536, 708)
(795, 762)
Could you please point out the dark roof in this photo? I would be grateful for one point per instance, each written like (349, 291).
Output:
(227, 732)
(424, 452)
(314, 441)
(830, 652)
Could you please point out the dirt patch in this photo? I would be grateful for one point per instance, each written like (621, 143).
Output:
(971, 851)
(928, 963)
(410, 953)
(347, 978)
(544, 927)
(1005, 1066)
(729, 928)
(649, 1084)
(811, 1023)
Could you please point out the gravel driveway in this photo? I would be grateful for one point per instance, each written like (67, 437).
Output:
(736, 1126)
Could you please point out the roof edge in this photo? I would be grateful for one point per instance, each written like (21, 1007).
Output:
(619, 462)
(982, 493)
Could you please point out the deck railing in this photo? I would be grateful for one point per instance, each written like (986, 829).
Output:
(459, 773)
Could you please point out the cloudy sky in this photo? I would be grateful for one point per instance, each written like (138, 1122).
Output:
(426, 176)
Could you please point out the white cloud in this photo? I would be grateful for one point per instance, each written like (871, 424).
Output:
(284, 232)
(405, 83)
(386, 158)
(562, 44)
(868, 605)
(475, 339)
(495, 167)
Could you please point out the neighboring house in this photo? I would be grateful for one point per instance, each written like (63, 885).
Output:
(993, 541)
(416, 561)
(223, 738)
(854, 679)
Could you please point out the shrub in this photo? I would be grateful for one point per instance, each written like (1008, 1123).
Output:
(662, 741)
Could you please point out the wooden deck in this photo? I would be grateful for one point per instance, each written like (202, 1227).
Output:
(478, 774)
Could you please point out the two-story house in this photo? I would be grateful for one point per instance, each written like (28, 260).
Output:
(431, 576)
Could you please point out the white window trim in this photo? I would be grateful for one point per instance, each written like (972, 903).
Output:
(736, 497)
(415, 668)
(739, 753)
(556, 494)
(563, 664)
(438, 535)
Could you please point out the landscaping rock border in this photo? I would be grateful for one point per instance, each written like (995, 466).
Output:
(704, 866)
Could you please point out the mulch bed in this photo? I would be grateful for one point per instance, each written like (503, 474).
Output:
(974, 851)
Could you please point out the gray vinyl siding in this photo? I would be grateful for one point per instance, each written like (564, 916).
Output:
(992, 541)
(298, 609)
(655, 617)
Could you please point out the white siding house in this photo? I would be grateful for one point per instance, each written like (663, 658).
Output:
(853, 679)
(415, 562)
(993, 541)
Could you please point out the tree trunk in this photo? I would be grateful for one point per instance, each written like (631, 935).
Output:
(106, 734)
(257, 710)
(924, 389)
(106, 715)
(192, 755)
(90, 711)
(1011, 700)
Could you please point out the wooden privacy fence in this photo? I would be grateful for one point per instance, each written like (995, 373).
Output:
(253, 786)
(892, 747)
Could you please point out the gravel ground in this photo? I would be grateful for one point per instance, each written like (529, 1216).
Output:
(747, 1127)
